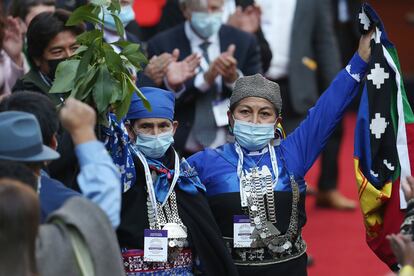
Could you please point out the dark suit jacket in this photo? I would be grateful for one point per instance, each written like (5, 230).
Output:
(347, 33)
(172, 16)
(247, 55)
(312, 37)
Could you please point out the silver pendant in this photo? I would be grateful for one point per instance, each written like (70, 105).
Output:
(272, 229)
(175, 231)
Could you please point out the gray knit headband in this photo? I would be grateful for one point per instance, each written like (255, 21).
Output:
(257, 86)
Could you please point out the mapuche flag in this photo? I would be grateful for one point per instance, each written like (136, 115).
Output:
(383, 140)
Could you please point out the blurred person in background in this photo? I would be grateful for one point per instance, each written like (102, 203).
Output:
(227, 54)
(305, 60)
(19, 212)
(159, 67)
(49, 42)
(12, 61)
(241, 14)
(402, 243)
(26, 10)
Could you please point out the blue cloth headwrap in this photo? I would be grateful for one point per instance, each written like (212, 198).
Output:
(162, 104)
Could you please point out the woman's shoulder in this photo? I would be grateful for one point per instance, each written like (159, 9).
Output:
(209, 154)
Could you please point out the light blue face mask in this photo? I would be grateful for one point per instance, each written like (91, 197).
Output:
(154, 146)
(126, 15)
(253, 136)
(206, 24)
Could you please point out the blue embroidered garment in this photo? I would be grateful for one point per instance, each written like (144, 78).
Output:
(188, 180)
(217, 168)
(116, 142)
(121, 150)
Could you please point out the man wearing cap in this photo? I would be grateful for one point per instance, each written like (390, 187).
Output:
(165, 194)
(21, 140)
(257, 182)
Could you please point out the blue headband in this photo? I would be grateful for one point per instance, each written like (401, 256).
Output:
(162, 103)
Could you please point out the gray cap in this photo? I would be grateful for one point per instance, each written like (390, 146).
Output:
(257, 86)
(21, 138)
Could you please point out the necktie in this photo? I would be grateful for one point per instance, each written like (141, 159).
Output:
(204, 123)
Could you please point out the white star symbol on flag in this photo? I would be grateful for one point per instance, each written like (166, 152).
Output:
(388, 165)
(378, 126)
(378, 76)
(363, 18)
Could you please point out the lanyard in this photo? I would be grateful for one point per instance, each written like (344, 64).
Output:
(243, 197)
(39, 184)
(149, 182)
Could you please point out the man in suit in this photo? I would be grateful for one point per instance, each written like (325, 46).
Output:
(305, 60)
(227, 54)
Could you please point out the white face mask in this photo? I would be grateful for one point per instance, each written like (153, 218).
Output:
(253, 136)
(154, 146)
(206, 24)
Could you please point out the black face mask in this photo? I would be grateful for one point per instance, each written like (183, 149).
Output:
(53, 64)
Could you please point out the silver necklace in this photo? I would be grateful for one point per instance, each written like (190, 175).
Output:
(254, 188)
(165, 215)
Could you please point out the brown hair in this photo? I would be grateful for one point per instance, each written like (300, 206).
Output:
(19, 223)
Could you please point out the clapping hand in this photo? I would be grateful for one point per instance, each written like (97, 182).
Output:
(13, 40)
(408, 187)
(224, 65)
(157, 67)
(247, 20)
(180, 71)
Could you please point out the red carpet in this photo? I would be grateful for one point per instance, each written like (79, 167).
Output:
(336, 240)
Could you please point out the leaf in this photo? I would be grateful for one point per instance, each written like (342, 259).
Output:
(122, 106)
(115, 6)
(65, 76)
(82, 14)
(85, 84)
(134, 56)
(132, 86)
(122, 43)
(113, 60)
(89, 37)
(81, 49)
(117, 93)
(130, 49)
(119, 26)
(84, 62)
(103, 89)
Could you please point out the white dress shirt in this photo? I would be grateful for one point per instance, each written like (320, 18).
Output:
(277, 21)
(199, 82)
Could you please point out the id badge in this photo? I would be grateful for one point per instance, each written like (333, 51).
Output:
(155, 245)
(220, 109)
(242, 232)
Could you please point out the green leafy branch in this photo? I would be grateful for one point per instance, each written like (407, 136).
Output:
(96, 74)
